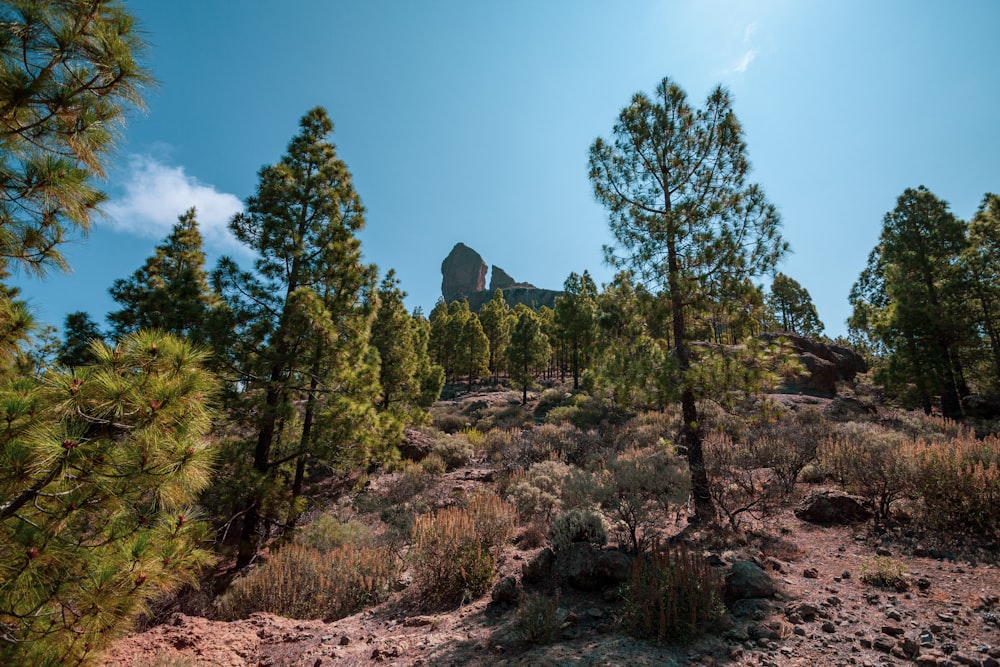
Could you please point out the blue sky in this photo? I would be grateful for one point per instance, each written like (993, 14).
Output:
(470, 121)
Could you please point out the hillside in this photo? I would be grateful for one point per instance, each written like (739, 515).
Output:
(941, 606)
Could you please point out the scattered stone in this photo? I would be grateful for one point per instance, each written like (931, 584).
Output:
(892, 630)
(746, 580)
(884, 644)
(832, 507)
(810, 573)
(507, 591)
(344, 640)
(539, 569)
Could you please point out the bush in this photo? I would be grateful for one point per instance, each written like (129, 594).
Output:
(449, 422)
(672, 595)
(327, 532)
(549, 399)
(884, 572)
(959, 484)
(871, 462)
(740, 480)
(539, 619)
(433, 464)
(413, 480)
(302, 582)
(564, 414)
(637, 488)
(535, 492)
(454, 550)
(454, 450)
(577, 525)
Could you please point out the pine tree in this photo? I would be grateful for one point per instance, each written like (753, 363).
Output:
(98, 473)
(910, 299)
(682, 214)
(79, 332)
(472, 345)
(68, 75)
(170, 291)
(791, 308)
(981, 260)
(301, 320)
(528, 349)
(497, 320)
(405, 373)
(576, 320)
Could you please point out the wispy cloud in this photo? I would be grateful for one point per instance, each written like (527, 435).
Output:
(744, 62)
(154, 194)
(748, 55)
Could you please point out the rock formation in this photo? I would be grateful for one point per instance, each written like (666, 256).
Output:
(824, 364)
(500, 279)
(463, 273)
(463, 276)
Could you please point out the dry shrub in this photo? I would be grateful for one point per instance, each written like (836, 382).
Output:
(562, 441)
(672, 595)
(959, 483)
(433, 464)
(869, 461)
(455, 550)
(538, 618)
(327, 532)
(413, 480)
(884, 572)
(789, 443)
(741, 482)
(637, 488)
(302, 582)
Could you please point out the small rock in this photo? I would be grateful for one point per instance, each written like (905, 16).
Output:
(882, 551)
(883, 644)
(894, 615)
(810, 573)
(345, 640)
(828, 627)
(892, 630)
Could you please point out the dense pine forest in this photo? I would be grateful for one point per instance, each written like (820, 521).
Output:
(196, 435)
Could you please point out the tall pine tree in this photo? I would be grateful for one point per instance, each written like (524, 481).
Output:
(682, 213)
(301, 320)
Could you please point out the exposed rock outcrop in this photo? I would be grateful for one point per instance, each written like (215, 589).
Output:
(500, 279)
(463, 273)
(463, 276)
(824, 364)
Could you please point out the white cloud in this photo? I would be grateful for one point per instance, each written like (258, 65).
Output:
(745, 61)
(750, 30)
(153, 195)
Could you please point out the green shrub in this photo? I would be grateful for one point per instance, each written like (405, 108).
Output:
(535, 492)
(564, 414)
(884, 572)
(454, 450)
(577, 525)
(302, 582)
(449, 422)
(549, 399)
(327, 532)
(813, 474)
(672, 596)
(433, 464)
(538, 618)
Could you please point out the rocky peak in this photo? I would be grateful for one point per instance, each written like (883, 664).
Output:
(463, 273)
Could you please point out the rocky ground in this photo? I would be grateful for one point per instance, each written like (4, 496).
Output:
(805, 604)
